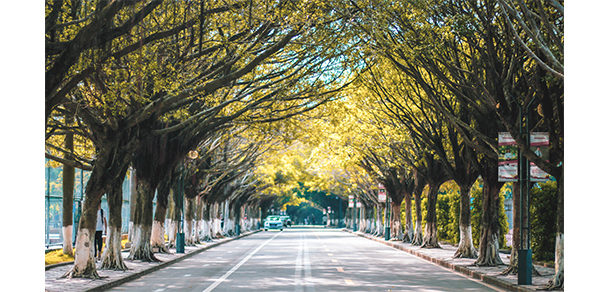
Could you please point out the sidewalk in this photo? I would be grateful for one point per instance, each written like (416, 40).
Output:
(110, 279)
(490, 275)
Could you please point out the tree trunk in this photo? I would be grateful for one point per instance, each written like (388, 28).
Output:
(466, 247)
(142, 222)
(379, 221)
(408, 236)
(557, 282)
(173, 215)
(198, 219)
(489, 247)
(111, 164)
(189, 213)
(132, 199)
(430, 238)
(216, 228)
(112, 258)
(207, 227)
(158, 226)
(418, 236)
(84, 260)
(68, 196)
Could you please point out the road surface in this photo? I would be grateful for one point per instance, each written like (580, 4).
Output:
(303, 260)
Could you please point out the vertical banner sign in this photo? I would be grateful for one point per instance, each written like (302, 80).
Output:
(358, 204)
(539, 144)
(382, 194)
(351, 201)
(508, 159)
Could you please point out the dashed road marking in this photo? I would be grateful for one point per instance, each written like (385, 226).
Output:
(349, 282)
(340, 269)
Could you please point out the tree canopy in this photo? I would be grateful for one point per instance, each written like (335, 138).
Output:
(297, 102)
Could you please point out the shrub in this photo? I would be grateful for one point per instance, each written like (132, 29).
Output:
(543, 211)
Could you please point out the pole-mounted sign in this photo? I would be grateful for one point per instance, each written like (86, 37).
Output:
(382, 194)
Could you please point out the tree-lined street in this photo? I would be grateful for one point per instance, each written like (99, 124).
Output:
(421, 122)
(303, 259)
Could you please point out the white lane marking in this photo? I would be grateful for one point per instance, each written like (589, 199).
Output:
(187, 275)
(308, 283)
(160, 290)
(232, 270)
(298, 267)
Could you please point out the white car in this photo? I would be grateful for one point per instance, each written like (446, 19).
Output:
(274, 223)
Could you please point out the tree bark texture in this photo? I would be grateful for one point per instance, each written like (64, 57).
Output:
(142, 222)
(84, 260)
(189, 218)
(489, 247)
(379, 221)
(430, 237)
(558, 280)
(158, 227)
(68, 196)
(418, 235)
(112, 259)
(409, 231)
(132, 198)
(466, 247)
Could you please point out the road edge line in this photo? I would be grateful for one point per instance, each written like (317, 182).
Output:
(139, 274)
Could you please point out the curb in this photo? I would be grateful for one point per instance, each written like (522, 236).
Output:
(460, 269)
(162, 265)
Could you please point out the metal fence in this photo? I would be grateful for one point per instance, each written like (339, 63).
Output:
(54, 201)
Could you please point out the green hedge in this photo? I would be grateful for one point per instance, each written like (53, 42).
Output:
(543, 210)
(448, 213)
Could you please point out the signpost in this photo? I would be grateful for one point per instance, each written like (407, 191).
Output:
(513, 167)
(383, 198)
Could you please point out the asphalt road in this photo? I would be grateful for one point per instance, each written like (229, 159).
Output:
(303, 260)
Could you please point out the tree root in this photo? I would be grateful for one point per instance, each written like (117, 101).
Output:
(465, 253)
(418, 239)
(143, 254)
(430, 242)
(88, 273)
(113, 263)
(554, 284)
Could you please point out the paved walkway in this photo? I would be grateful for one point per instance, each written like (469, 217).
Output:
(110, 279)
(491, 275)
